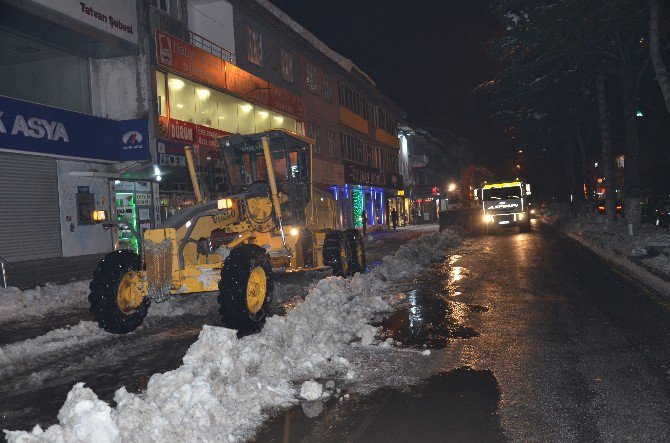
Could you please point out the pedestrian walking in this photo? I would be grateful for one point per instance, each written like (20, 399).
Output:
(364, 219)
(394, 218)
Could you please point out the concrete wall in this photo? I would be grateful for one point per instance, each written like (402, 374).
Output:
(120, 87)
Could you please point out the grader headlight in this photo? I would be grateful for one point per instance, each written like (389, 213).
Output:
(224, 203)
(488, 218)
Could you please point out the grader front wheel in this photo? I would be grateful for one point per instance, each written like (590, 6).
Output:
(118, 293)
(245, 289)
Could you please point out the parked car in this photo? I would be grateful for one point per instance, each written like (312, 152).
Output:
(600, 206)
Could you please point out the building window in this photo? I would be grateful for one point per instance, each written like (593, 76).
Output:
(383, 120)
(332, 144)
(254, 47)
(353, 148)
(172, 7)
(353, 101)
(286, 66)
(312, 83)
(620, 162)
(327, 89)
(315, 133)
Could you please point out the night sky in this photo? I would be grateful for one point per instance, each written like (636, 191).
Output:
(426, 55)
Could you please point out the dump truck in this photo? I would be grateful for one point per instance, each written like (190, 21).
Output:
(273, 219)
(505, 204)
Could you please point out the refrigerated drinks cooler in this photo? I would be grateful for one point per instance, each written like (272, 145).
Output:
(133, 207)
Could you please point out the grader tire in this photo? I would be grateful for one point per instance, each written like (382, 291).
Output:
(104, 293)
(245, 289)
(357, 247)
(337, 254)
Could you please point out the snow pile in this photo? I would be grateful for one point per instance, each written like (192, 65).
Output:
(14, 356)
(16, 304)
(225, 384)
(649, 245)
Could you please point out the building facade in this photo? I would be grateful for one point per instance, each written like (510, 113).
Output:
(73, 106)
(98, 100)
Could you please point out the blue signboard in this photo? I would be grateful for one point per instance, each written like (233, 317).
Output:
(26, 126)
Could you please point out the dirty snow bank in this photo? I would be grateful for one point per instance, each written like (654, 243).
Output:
(225, 384)
(16, 304)
(649, 245)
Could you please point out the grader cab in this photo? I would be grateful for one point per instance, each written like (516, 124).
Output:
(273, 219)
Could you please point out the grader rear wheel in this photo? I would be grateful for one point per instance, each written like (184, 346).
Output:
(245, 289)
(357, 260)
(337, 254)
(118, 293)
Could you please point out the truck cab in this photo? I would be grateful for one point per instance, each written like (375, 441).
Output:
(505, 204)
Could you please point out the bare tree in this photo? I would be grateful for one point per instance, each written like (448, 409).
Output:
(606, 141)
(655, 53)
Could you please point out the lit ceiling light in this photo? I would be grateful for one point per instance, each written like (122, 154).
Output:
(263, 114)
(179, 105)
(278, 119)
(175, 83)
(246, 107)
(202, 93)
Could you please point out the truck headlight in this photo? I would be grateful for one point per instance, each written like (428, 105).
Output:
(488, 218)
(521, 216)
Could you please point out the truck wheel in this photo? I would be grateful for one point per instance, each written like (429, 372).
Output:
(245, 289)
(118, 294)
(336, 253)
(357, 260)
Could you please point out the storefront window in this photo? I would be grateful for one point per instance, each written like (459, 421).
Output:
(227, 112)
(182, 99)
(245, 115)
(60, 81)
(195, 103)
(205, 107)
(262, 120)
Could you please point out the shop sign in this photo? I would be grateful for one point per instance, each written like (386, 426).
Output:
(26, 126)
(247, 85)
(327, 173)
(170, 153)
(143, 199)
(284, 101)
(118, 18)
(365, 175)
(184, 58)
(190, 132)
(190, 60)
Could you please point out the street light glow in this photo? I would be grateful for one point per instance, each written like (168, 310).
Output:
(452, 187)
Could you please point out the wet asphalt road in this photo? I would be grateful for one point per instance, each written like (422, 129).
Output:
(533, 338)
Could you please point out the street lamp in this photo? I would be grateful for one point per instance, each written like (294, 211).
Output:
(452, 187)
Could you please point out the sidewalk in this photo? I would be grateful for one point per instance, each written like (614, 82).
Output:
(29, 274)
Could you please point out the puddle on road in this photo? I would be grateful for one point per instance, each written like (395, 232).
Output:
(459, 405)
(431, 316)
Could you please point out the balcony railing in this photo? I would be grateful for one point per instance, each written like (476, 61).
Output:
(211, 47)
(418, 160)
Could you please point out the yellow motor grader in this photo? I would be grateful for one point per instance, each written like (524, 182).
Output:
(273, 219)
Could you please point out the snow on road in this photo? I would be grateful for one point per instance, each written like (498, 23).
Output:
(226, 385)
(16, 304)
(16, 355)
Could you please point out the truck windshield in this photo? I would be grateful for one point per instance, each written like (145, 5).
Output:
(502, 193)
